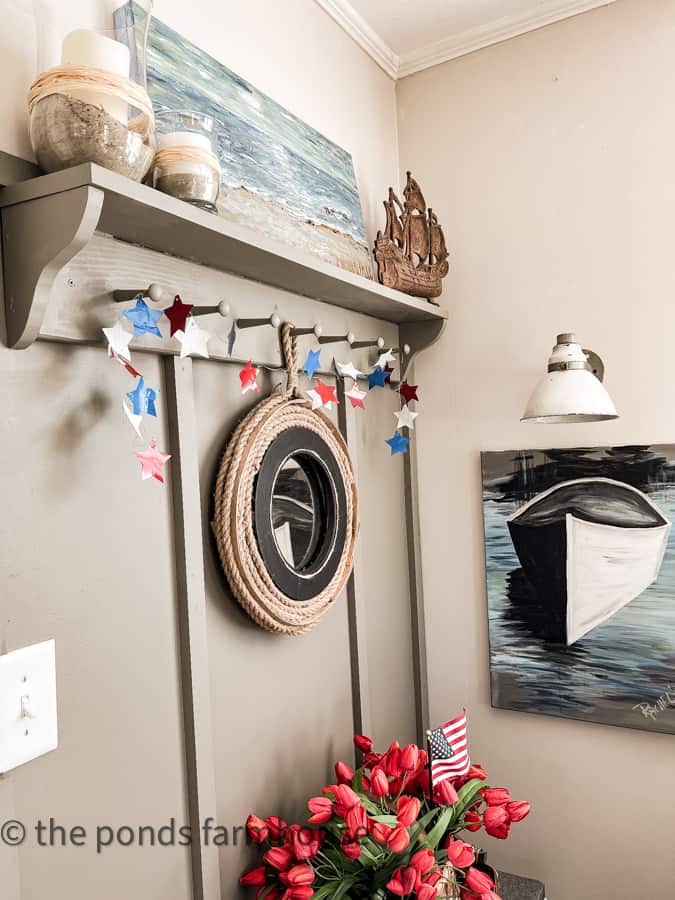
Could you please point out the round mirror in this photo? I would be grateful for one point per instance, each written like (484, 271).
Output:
(300, 513)
(297, 511)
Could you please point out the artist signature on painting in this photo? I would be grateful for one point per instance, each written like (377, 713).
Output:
(665, 701)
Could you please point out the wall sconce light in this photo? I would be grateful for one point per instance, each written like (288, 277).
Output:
(572, 390)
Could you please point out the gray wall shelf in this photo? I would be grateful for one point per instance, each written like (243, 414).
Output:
(48, 219)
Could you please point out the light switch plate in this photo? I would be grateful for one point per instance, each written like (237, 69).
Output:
(28, 718)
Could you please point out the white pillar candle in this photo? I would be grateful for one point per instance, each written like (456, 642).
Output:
(89, 48)
(183, 139)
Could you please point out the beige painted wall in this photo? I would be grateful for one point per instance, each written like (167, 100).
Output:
(70, 565)
(549, 159)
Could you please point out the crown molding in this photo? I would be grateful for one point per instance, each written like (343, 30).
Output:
(542, 14)
(365, 36)
(493, 33)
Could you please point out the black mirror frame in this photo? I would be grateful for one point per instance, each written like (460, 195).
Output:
(323, 469)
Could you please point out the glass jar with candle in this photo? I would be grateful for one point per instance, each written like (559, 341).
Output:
(90, 104)
(186, 164)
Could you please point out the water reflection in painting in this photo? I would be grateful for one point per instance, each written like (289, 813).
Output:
(280, 176)
(580, 559)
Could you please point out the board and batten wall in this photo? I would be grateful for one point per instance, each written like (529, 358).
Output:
(86, 548)
(549, 160)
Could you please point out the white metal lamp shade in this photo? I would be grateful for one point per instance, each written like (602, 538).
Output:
(572, 391)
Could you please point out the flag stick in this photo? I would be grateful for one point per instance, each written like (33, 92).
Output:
(431, 779)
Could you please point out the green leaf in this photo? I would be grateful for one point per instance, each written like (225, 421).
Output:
(267, 891)
(434, 837)
(343, 888)
(466, 796)
(385, 819)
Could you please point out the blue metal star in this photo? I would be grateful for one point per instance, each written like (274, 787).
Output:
(143, 318)
(398, 443)
(377, 378)
(312, 363)
(143, 399)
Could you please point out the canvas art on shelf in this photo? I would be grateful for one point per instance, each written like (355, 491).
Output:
(280, 177)
(580, 559)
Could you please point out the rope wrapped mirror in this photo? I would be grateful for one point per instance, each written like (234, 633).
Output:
(286, 509)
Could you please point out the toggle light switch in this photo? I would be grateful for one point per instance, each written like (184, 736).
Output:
(28, 717)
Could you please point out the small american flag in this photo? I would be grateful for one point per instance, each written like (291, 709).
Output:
(448, 750)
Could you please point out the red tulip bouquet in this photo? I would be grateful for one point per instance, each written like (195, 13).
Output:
(378, 834)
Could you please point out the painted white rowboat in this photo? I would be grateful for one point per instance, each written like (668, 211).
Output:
(588, 547)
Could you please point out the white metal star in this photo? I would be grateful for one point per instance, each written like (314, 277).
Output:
(347, 370)
(317, 402)
(133, 418)
(193, 340)
(118, 340)
(406, 418)
(384, 358)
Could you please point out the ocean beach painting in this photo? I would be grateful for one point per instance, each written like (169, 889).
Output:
(580, 568)
(280, 177)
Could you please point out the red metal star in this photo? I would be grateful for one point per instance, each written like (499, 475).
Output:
(151, 461)
(177, 314)
(248, 376)
(388, 369)
(408, 391)
(325, 391)
(355, 397)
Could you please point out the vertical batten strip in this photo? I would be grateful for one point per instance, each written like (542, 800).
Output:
(418, 627)
(356, 595)
(189, 556)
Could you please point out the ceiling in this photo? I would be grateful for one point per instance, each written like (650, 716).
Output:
(404, 37)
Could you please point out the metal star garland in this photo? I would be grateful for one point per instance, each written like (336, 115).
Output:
(143, 318)
(384, 359)
(193, 340)
(398, 443)
(322, 396)
(406, 418)
(317, 402)
(125, 364)
(347, 370)
(177, 314)
(408, 391)
(355, 397)
(152, 460)
(376, 378)
(134, 419)
(231, 338)
(143, 399)
(248, 376)
(312, 363)
(118, 340)
(326, 392)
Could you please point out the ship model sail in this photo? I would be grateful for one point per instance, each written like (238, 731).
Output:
(411, 253)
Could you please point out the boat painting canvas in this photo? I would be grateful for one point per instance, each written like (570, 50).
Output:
(280, 177)
(580, 565)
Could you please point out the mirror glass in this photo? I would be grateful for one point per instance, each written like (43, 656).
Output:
(296, 512)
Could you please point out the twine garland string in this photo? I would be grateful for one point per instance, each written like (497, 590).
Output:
(244, 567)
(69, 79)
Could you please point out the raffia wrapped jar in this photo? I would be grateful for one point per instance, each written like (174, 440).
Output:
(447, 886)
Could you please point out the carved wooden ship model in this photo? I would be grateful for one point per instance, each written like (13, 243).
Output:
(411, 253)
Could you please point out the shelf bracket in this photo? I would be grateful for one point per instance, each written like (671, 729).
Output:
(40, 237)
(419, 335)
